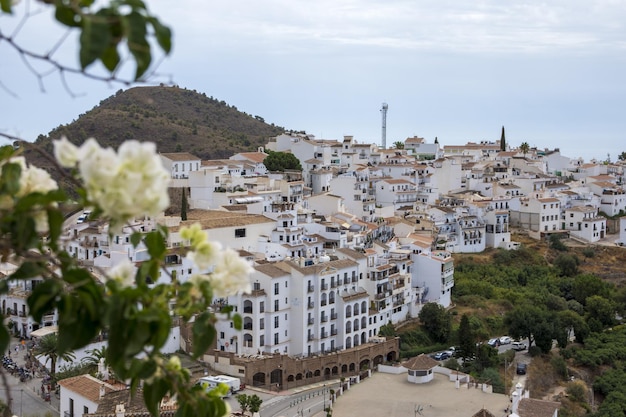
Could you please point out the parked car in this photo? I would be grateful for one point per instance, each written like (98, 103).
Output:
(519, 346)
(451, 351)
(441, 356)
(505, 340)
(495, 342)
(521, 368)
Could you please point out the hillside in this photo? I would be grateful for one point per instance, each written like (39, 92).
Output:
(174, 118)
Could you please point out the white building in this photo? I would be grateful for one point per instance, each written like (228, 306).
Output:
(584, 223)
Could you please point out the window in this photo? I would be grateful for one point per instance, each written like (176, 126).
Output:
(240, 232)
(276, 288)
(221, 335)
(275, 338)
(262, 307)
(262, 324)
(262, 340)
(276, 305)
(276, 321)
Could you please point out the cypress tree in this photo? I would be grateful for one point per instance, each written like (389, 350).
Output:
(183, 206)
(502, 141)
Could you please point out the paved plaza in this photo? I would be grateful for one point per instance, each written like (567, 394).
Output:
(391, 395)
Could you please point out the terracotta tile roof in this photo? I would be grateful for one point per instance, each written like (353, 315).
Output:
(257, 157)
(133, 405)
(271, 270)
(180, 156)
(86, 386)
(421, 363)
(213, 219)
(530, 407)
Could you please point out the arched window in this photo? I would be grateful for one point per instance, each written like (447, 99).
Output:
(348, 311)
(348, 342)
(348, 327)
(356, 309)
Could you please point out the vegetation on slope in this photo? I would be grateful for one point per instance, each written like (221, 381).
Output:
(546, 290)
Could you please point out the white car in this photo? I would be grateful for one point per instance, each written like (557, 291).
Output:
(505, 340)
(518, 346)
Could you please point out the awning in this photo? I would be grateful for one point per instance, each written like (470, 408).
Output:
(45, 331)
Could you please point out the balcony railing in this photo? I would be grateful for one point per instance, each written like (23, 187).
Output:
(311, 304)
(311, 320)
(324, 286)
(247, 310)
(324, 319)
(333, 316)
(333, 332)
(311, 288)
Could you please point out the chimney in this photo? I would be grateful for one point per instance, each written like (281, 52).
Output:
(102, 392)
(119, 410)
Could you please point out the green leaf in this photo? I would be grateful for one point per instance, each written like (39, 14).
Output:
(238, 322)
(5, 338)
(156, 245)
(27, 270)
(66, 15)
(95, 38)
(55, 227)
(110, 58)
(6, 7)
(6, 151)
(135, 238)
(163, 34)
(153, 394)
(135, 24)
(43, 298)
(203, 333)
(11, 174)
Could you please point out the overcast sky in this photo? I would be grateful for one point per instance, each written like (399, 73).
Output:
(551, 72)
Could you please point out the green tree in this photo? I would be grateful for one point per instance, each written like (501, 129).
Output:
(244, 403)
(48, 347)
(398, 144)
(183, 206)
(622, 156)
(467, 340)
(387, 330)
(527, 320)
(255, 403)
(601, 309)
(587, 285)
(502, 141)
(436, 322)
(250, 403)
(566, 264)
(524, 147)
(281, 161)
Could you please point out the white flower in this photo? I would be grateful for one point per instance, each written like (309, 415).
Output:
(127, 184)
(35, 179)
(124, 273)
(231, 275)
(66, 153)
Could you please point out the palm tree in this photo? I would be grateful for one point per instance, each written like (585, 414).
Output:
(48, 346)
(524, 147)
(92, 362)
(399, 144)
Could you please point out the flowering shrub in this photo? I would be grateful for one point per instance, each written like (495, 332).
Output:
(119, 186)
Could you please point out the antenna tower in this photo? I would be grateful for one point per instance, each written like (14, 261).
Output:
(383, 110)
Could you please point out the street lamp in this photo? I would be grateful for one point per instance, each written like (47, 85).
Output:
(324, 393)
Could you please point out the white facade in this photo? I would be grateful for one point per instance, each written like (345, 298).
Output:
(180, 164)
(584, 223)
